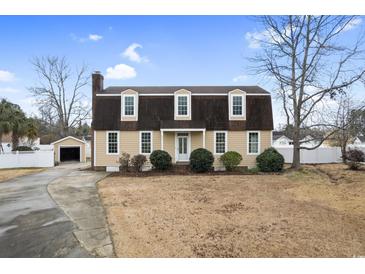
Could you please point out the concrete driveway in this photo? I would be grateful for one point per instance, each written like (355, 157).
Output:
(36, 215)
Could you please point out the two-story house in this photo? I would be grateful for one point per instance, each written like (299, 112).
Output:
(178, 119)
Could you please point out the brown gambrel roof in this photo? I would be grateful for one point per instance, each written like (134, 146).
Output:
(209, 112)
(192, 89)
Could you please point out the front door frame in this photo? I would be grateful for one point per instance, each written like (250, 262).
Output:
(177, 146)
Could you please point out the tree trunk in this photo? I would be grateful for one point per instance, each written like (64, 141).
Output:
(1, 143)
(296, 149)
(343, 152)
(15, 141)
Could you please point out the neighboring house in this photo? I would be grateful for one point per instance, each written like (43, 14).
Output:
(280, 139)
(139, 120)
(359, 141)
(7, 145)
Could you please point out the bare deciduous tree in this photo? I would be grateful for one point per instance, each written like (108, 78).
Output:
(58, 94)
(345, 116)
(309, 65)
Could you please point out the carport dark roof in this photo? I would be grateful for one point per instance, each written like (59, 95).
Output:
(193, 89)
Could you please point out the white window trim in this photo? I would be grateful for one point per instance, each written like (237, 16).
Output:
(248, 142)
(107, 142)
(140, 141)
(226, 141)
(176, 113)
(242, 105)
(230, 104)
(135, 106)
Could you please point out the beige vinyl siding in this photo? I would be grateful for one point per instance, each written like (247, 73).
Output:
(196, 140)
(169, 144)
(100, 155)
(69, 143)
(237, 141)
(129, 142)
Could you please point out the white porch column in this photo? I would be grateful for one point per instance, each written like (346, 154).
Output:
(161, 139)
(204, 138)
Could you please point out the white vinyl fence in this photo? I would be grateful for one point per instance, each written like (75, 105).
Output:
(320, 155)
(40, 158)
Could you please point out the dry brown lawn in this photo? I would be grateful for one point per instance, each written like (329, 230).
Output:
(7, 174)
(317, 212)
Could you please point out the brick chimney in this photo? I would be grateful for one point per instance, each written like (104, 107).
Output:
(97, 87)
(98, 82)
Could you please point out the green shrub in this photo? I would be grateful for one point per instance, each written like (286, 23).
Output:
(231, 159)
(138, 161)
(201, 160)
(23, 148)
(124, 161)
(160, 160)
(354, 157)
(270, 161)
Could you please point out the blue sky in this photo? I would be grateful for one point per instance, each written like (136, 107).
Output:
(135, 50)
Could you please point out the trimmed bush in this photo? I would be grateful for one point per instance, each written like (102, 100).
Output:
(124, 161)
(201, 160)
(231, 159)
(270, 161)
(354, 158)
(23, 148)
(138, 161)
(160, 159)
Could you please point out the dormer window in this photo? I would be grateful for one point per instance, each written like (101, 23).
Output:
(182, 104)
(129, 105)
(237, 105)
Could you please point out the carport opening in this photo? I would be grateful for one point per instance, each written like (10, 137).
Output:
(69, 154)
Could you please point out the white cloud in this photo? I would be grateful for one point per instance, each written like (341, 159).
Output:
(131, 54)
(91, 37)
(254, 38)
(8, 90)
(240, 78)
(95, 37)
(120, 72)
(352, 24)
(6, 76)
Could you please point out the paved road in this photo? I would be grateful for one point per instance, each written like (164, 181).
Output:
(31, 222)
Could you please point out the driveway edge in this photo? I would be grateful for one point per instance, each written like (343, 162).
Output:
(77, 195)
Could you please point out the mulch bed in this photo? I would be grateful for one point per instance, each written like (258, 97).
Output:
(185, 173)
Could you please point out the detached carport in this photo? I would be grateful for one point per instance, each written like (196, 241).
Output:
(69, 149)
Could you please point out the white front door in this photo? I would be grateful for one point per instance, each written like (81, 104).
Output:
(182, 146)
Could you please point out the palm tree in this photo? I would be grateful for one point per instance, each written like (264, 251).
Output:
(13, 119)
(22, 127)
